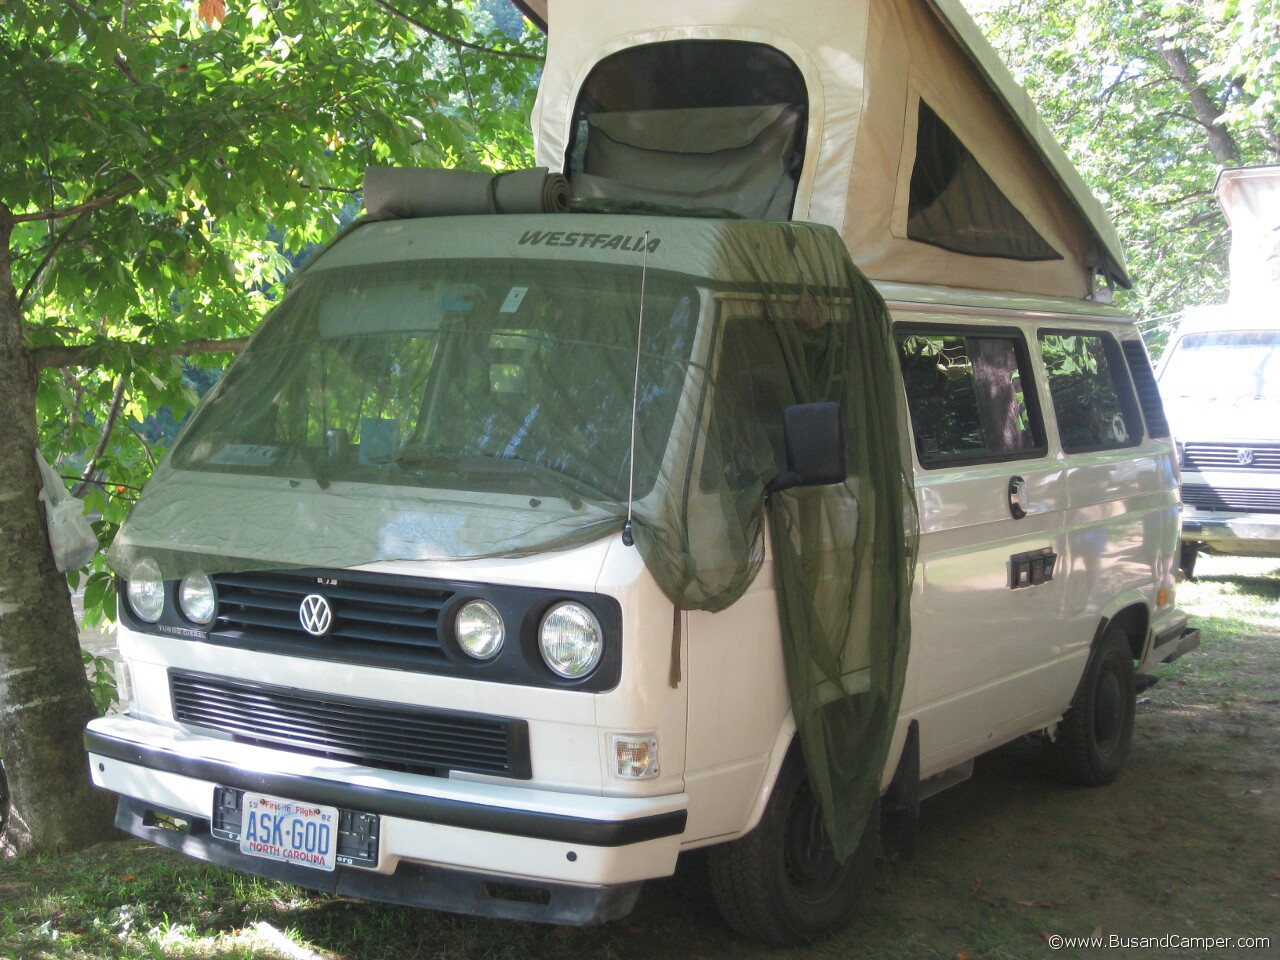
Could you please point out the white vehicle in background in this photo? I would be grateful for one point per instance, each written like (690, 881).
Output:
(1220, 380)
(388, 629)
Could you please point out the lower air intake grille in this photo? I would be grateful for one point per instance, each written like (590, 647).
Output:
(1239, 499)
(361, 731)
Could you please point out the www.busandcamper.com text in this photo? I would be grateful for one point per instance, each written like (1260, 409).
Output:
(1168, 941)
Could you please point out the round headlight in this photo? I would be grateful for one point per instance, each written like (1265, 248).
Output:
(571, 640)
(145, 591)
(196, 598)
(478, 627)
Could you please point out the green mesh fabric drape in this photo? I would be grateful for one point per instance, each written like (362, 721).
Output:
(461, 388)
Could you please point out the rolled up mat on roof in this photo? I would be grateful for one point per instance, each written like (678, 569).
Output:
(404, 192)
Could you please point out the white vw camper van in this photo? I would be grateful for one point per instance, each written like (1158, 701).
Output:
(739, 508)
(1220, 379)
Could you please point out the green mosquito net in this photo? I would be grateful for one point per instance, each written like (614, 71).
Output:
(461, 388)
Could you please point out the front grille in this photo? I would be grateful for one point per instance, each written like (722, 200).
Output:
(361, 731)
(1228, 456)
(375, 619)
(1240, 499)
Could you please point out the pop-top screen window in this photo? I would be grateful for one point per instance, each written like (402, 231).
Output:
(702, 124)
(955, 205)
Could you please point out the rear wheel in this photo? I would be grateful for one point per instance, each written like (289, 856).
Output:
(1093, 739)
(782, 883)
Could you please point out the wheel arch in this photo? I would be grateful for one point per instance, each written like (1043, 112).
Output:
(1132, 619)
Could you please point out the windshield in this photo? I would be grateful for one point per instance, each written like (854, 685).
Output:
(513, 376)
(1234, 365)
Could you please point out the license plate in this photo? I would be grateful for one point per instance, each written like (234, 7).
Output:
(277, 829)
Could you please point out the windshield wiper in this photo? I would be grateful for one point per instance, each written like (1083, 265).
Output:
(483, 467)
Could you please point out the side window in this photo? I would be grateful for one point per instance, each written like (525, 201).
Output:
(748, 399)
(1092, 397)
(1144, 380)
(969, 395)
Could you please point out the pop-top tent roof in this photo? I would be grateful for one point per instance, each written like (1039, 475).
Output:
(1250, 200)
(890, 89)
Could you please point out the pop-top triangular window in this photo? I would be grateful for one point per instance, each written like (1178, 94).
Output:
(955, 205)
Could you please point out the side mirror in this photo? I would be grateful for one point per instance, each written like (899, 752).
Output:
(814, 438)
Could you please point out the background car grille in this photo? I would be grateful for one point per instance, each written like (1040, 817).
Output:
(383, 618)
(1240, 499)
(1226, 456)
(362, 731)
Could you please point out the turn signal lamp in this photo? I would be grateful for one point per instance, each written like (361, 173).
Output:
(634, 758)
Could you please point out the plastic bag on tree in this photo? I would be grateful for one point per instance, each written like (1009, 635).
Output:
(70, 535)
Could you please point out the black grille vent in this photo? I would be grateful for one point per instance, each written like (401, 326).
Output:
(361, 731)
(1240, 499)
(379, 619)
(1232, 456)
(1145, 383)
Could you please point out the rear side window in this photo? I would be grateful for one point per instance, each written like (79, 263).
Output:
(1144, 380)
(1093, 399)
(969, 394)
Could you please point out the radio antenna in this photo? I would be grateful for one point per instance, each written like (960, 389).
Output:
(627, 538)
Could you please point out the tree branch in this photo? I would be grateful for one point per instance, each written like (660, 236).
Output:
(113, 414)
(414, 21)
(146, 445)
(89, 206)
(86, 355)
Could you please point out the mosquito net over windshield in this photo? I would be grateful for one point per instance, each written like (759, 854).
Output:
(462, 388)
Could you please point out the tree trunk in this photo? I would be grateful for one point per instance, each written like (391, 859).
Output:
(1221, 143)
(44, 696)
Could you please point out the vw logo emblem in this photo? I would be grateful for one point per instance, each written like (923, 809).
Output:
(1244, 456)
(315, 615)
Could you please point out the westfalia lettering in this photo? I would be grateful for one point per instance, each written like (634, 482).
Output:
(602, 241)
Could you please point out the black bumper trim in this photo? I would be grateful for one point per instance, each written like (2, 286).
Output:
(395, 803)
(418, 885)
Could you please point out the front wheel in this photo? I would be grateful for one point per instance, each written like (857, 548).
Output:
(782, 883)
(1093, 739)
(1187, 554)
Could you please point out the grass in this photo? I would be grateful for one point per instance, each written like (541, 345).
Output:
(1184, 842)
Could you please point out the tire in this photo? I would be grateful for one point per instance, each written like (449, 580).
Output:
(1094, 737)
(781, 883)
(1187, 555)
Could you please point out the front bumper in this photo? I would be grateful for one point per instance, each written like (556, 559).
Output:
(468, 847)
(1173, 643)
(1241, 534)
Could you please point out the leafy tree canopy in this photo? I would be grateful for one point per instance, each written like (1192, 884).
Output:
(156, 153)
(161, 161)
(1150, 98)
